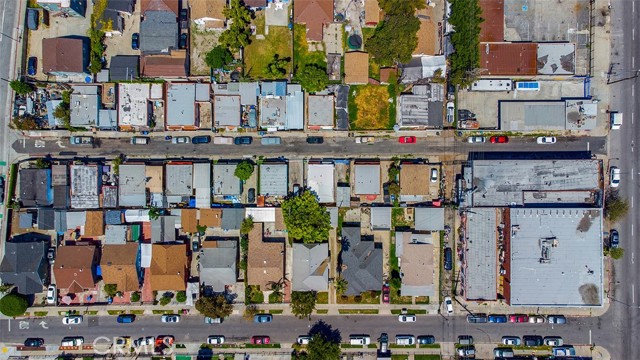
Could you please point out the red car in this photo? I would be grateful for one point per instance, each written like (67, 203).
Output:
(165, 340)
(385, 294)
(499, 139)
(260, 340)
(407, 140)
(518, 318)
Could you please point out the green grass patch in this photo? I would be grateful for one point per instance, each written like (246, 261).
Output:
(399, 357)
(349, 346)
(259, 53)
(323, 298)
(322, 311)
(422, 300)
(119, 312)
(358, 311)
(301, 54)
(369, 297)
(159, 312)
(409, 311)
(137, 312)
(369, 107)
(253, 295)
(352, 107)
(91, 312)
(259, 22)
(398, 219)
(276, 311)
(429, 346)
(396, 346)
(13, 177)
(41, 313)
(372, 346)
(275, 298)
(393, 94)
(427, 357)
(262, 346)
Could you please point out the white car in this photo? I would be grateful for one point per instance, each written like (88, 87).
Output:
(536, 319)
(52, 294)
(553, 341)
(448, 304)
(215, 340)
(546, 140)
(434, 175)
(476, 139)
(170, 318)
(303, 340)
(72, 319)
(144, 341)
(407, 318)
(364, 139)
(615, 177)
(181, 140)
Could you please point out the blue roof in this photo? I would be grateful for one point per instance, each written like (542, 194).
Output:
(273, 88)
(113, 217)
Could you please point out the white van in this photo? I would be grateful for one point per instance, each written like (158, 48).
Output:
(616, 120)
(139, 140)
(405, 340)
(359, 340)
(223, 140)
(72, 341)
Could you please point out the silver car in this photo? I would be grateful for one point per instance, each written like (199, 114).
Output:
(476, 139)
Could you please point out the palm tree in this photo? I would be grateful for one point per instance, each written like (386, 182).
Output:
(277, 286)
(340, 285)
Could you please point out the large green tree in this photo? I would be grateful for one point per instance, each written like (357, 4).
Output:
(218, 57)
(239, 32)
(303, 303)
(214, 306)
(13, 305)
(20, 87)
(305, 218)
(322, 348)
(277, 68)
(244, 170)
(404, 7)
(466, 16)
(312, 77)
(394, 39)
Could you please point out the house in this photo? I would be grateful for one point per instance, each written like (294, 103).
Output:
(108, 119)
(202, 184)
(25, 265)
(65, 57)
(320, 112)
(367, 179)
(179, 181)
(255, 4)
(413, 184)
(163, 229)
(265, 259)
(232, 218)
(112, 23)
(210, 218)
(94, 223)
(361, 264)
(208, 14)
(274, 179)
(115, 234)
(218, 264)
(35, 187)
(321, 180)
(311, 267)
(85, 185)
(429, 219)
(225, 181)
(159, 27)
(380, 218)
(170, 65)
(120, 265)
(356, 67)
(124, 68)
(416, 261)
(226, 111)
(189, 220)
(423, 67)
(74, 8)
(371, 13)
(85, 103)
(181, 98)
(314, 14)
(131, 185)
(74, 269)
(125, 7)
(424, 108)
(133, 106)
(169, 267)
(159, 5)
(281, 106)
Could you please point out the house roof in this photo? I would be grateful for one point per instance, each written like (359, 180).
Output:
(356, 67)
(165, 65)
(155, 177)
(211, 9)
(25, 266)
(274, 179)
(84, 106)
(119, 266)
(181, 104)
(124, 67)
(46, 219)
(189, 220)
(35, 187)
(163, 229)
(313, 13)
(492, 28)
(169, 267)
(158, 32)
(64, 55)
(416, 264)
(131, 185)
(121, 5)
(255, 3)
(94, 223)
(179, 179)
(429, 219)
(412, 179)
(361, 262)
(380, 218)
(115, 234)
(218, 264)
(159, 5)
(112, 16)
(232, 218)
(310, 267)
(320, 110)
(508, 58)
(74, 268)
(265, 261)
(211, 217)
(85, 182)
(371, 12)
(226, 110)
(385, 74)
(321, 179)
(367, 179)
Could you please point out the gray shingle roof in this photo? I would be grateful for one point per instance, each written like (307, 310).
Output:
(232, 218)
(158, 32)
(25, 266)
(218, 265)
(361, 262)
(124, 67)
(311, 267)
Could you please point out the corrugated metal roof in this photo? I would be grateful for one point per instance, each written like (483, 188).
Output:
(492, 28)
(508, 58)
(429, 219)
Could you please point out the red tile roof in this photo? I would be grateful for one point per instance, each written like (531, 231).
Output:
(73, 269)
(314, 13)
(163, 65)
(160, 5)
(492, 28)
(508, 58)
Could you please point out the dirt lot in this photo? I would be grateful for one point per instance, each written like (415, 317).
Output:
(371, 105)
(201, 43)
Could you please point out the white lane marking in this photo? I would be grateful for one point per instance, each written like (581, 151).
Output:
(633, 34)
(633, 293)
(633, 258)
(587, 146)
(631, 196)
(632, 174)
(632, 118)
(631, 229)
(4, 7)
(590, 337)
(633, 89)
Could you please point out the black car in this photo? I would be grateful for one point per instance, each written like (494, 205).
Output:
(614, 239)
(135, 41)
(477, 318)
(34, 342)
(202, 139)
(532, 340)
(315, 140)
(1, 189)
(32, 66)
(448, 258)
(251, 195)
(243, 140)
(195, 244)
(51, 255)
(183, 41)
(426, 339)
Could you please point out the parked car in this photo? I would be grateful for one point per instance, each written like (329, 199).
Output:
(182, 44)
(407, 139)
(135, 41)
(426, 339)
(448, 304)
(614, 239)
(511, 340)
(51, 255)
(315, 140)
(407, 318)
(251, 195)
(385, 293)
(563, 350)
(553, 341)
(518, 318)
(503, 352)
(476, 139)
(210, 320)
(498, 319)
(477, 318)
(359, 340)
(180, 140)
(166, 340)
(170, 318)
(532, 340)
(448, 258)
(123, 342)
(556, 319)
(195, 244)
(52, 294)
(215, 340)
(243, 140)
(139, 140)
(615, 177)
(72, 341)
(364, 139)
(32, 66)
(34, 342)
(72, 319)
(271, 140)
(263, 318)
(405, 340)
(2, 184)
(144, 341)
(467, 350)
(183, 18)
(126, 318)
(546, 140)
(499, 139)
(384, 343)
(465, 340)
(81, 140)
(260, 339)
(201, 139)
(537, 319)
(303, 339)
(434, 175)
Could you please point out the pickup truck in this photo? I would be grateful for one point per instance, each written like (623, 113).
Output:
(223, 140)
(81, 140)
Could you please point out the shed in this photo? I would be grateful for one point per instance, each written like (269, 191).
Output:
(429, 219)
(380, 218)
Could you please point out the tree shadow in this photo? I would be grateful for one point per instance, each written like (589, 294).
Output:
(327, 331)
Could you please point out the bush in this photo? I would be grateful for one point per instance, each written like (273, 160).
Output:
(13, 305)
(20, 88)
(111, 289)
(181, 296)
(616, 208)
(616, 253)
(244, 170)
(166, 299)
(218, 57)
(135, 296)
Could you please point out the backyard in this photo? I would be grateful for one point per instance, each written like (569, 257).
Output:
(201, 43)
(371, 107)
(301, 53)
(260, 53)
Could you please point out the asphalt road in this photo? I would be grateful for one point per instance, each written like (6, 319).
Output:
(9, 36)
(285, 329)
(332, 147)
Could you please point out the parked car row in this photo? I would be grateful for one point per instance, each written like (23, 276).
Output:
(515, 318)
(542, 140)
(365, 339)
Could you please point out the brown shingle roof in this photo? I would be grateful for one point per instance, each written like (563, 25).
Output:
(265, 260)
(63, 55)
(94, 225)
(118, 264)
(314, 13)
(73, 268)
(356, 67)
(417, 263)
(163, 65)
(371, 12)
(189, 220)
(169, 264)
(427, 33)
(160, 5)
(211, 217)
(414, 179)
(492, 28)
(213, 9)
(508, 58)
(255, 3)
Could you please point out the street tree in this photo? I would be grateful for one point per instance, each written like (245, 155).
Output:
(214, 306)
(20, 87)
(244, 170)
(322, 348)
(303, 303)
(305, 218)
(13, 305)
(238, 34)
(218, 57)
(615, 208)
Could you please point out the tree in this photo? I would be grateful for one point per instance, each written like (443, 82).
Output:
(312, 77)
(135, 296)
(322, 348)
(305, 218)
(244, 170)
(246, 226)
(303, 303)
(218, 57)
(238, 34)
(20, 87)
(466, 16)
(25, 122)
(616, 253)
(214, 306)
(96, 36)
(278, 66)
(341, 285)
(13, 305)
(405, 7)
(399, 30)
(154, 213)
(250, 311)
(616, 208)
(166, 298)
(394, 188)
(111, 289)
(181, 296)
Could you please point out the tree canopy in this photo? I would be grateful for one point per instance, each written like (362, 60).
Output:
(20, 87)
(394, 39)
(391, 7)
(303, 303)
(312, 77)
(278, 66)
(238, 34)
(218, 57)
(13, 305)
(322, 348)
(214, 306)
(305, 218)
(466, 16)
(246, 226)
(615, 208)
(244, 170)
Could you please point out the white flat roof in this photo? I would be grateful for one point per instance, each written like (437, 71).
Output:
(132, 104)
(321, 179)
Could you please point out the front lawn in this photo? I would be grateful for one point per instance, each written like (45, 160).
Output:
(253, 295)
(370, 107)
(259, 53)
(368, 297)
(323, 298)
